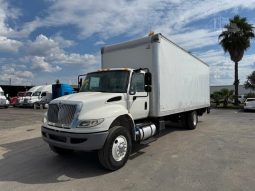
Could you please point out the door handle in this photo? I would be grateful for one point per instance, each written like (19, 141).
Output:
(145, 105)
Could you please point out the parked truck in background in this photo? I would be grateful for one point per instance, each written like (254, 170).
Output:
(4, 102)
(142, 84)
(53, 91)
(31, 96)
(16, 100)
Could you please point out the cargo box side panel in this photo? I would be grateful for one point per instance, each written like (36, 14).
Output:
(184, 80)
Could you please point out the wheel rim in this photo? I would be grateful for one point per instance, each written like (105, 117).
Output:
(194, 118)
(119, 148)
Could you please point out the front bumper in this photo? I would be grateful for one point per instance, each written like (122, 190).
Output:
(27, 104)
(4, 105)
(74, 141)
(249, 107)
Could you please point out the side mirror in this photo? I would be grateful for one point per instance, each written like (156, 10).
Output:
(147, 88)
(80, 83)
(147, 79)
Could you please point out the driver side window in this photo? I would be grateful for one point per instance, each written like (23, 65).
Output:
(137, 83)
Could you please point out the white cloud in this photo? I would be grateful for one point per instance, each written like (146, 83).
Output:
(4, 10)
(9, 45)
(39, 63)
(42, 46)
(63, 43)
(24, 74)
(52, 52)
(118, 17)
(99, 43)
(12, 72)
(222, 68)
(196, 38)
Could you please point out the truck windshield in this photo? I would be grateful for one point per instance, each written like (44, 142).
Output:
(20, 94)
(106, 81)
(37, 93)
(28, 93)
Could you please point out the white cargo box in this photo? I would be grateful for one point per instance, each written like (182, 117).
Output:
(180, 81)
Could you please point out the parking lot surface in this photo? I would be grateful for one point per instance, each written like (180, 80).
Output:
(218, 155)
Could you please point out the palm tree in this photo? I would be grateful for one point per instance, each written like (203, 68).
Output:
(235, 40)
(226, 94)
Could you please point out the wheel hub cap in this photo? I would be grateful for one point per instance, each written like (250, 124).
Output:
(194, 119)
(119, 148)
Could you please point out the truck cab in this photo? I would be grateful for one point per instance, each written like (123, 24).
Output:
(32, 96)
(106, 107)
(4, 102)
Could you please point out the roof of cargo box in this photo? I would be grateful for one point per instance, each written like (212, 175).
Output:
(140, 41)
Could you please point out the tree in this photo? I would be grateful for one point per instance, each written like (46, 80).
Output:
(226, 94)
(235, 39)
(250, 83)
(222, 96)
(216, 96)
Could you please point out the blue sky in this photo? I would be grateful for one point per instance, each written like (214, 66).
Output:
(45, 40)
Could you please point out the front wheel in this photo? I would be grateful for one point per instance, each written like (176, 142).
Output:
(116, 149)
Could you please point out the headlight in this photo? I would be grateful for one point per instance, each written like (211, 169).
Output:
(90, 123)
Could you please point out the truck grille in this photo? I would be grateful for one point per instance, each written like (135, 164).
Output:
(25, 100)
(61, 114)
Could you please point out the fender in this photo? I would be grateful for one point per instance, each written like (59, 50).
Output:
(127, 121)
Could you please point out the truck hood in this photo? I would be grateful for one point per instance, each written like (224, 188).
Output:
(86, 97)
(96, 104)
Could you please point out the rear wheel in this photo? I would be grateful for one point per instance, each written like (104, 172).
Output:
(116, 150)
(60, 151)
(191, 120)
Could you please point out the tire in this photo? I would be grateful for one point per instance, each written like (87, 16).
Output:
(191, 120)
(118, 139)
(60, 151)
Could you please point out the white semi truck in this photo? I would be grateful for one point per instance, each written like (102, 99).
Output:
(142, 84)
(4, 102)
(31, 96)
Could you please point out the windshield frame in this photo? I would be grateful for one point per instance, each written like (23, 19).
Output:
(89, 75)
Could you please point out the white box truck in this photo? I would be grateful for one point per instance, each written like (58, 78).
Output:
(142, 84)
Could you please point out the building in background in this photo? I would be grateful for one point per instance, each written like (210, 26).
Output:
(241, 89)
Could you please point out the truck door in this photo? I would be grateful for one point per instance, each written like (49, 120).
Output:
(138, 99)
